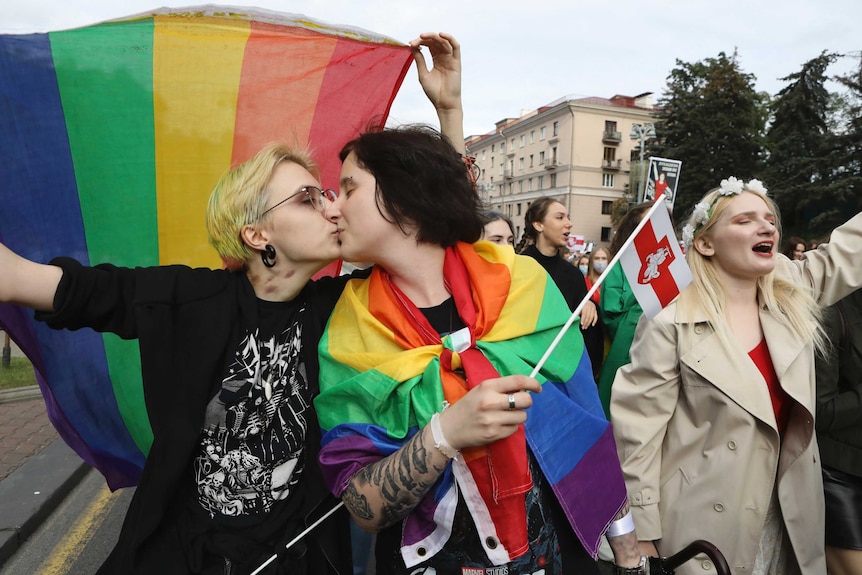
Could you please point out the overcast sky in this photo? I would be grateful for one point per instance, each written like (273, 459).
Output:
(522, 55)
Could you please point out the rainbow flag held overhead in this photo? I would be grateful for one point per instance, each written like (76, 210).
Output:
(381, 381)
(112, 137)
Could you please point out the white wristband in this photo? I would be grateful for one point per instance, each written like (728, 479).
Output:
(440, 440)
(621, 526)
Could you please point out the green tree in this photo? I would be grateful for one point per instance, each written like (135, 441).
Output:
(712, 119)
(801, 146)
(843, 188)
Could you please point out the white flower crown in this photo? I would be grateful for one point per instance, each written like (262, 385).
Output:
(703, 210)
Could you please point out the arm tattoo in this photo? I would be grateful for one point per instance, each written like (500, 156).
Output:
(357, 502)
(400, 480)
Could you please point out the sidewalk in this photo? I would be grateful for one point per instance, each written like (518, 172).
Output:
(37, 469)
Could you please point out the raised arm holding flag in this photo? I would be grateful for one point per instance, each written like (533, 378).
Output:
(714, 416)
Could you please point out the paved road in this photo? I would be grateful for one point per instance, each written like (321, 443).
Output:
(78, 535)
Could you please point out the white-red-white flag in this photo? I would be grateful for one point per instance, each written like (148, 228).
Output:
(654, 264)
(576, 243)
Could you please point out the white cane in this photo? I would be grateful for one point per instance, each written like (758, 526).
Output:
(298, 537)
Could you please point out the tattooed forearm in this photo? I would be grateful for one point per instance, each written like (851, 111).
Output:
(357, 503)
(625, 547)
(384, 492)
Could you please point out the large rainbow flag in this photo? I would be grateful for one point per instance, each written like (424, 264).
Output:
(381, 381)
(112, 137)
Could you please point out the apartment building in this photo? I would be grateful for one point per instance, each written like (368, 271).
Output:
(577, 150)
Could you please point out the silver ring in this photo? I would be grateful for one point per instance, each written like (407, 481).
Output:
(511, 401)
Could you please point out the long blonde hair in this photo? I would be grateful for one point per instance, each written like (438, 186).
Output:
(793, 305)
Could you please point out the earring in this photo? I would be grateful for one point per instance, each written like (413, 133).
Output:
(268, 256)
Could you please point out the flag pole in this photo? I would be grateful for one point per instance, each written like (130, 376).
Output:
(300, 536)
(659, 202)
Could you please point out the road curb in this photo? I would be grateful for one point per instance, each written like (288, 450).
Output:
(20, 394)
(33, 491)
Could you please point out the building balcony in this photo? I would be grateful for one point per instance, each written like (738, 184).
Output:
(612, 164)
(551, 164)
(507, 174)
(612, 137)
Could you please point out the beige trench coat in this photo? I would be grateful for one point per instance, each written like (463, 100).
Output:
(696, 432)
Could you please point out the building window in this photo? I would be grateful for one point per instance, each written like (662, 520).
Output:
(512, 144)
(531, 160)
(541, 182)
(530, 184)
(610, 126)
(503, 146)
(502, 188)
(541, 158)
(606, 207)
(553, 180)
(483, 154)
(519, 208)
(607, 180)
(542, 133)
(511, 189)
(492, 148)
(610, 154)
(520, 186)
(523, 140)
(554, 156)
(532, 136)
(556, 128)
(606, 234)
(521, 163)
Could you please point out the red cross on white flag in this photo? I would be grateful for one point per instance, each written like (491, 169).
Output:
(654, 264)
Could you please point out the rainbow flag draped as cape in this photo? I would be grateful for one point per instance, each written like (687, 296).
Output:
(378, 389)
(112, 137)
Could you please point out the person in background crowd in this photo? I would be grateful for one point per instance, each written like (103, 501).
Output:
(620, 308)
(596, 265)
(498, 228)
(584, 265)
(839, 433)
(418, 387)
(714, 416)
(794, 248)
(548, 225)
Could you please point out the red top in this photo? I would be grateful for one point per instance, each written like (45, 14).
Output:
(596, 299)
(781, 402)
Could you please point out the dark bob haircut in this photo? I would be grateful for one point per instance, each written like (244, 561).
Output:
(421, 181)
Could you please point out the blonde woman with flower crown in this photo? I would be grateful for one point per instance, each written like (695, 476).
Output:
(714, 417)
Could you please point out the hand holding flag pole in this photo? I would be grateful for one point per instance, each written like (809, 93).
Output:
(662, 225)
(680, 283)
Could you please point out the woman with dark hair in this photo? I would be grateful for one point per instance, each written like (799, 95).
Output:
(547, 223)
(794, 248)
(620, 308)
(498, 228)
(229, 365)
(424, 397)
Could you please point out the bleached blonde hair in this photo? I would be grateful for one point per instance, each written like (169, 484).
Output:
(239, 199)
(792, 304)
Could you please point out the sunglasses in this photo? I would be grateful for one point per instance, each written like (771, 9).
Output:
(316, 196)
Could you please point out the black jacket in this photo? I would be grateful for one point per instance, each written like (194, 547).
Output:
(839, 387)
(186, 321)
